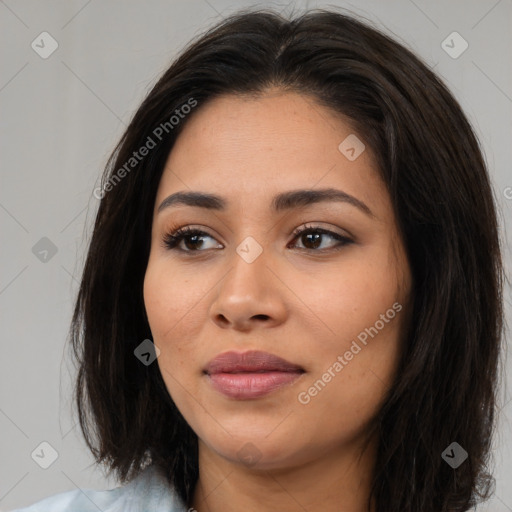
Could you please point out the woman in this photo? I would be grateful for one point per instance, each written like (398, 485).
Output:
(292, 295)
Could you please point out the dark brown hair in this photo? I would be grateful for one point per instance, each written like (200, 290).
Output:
(430, 160)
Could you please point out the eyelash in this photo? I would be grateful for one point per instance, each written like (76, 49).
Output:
(171, 240)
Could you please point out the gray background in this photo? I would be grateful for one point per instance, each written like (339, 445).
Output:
(60, 118)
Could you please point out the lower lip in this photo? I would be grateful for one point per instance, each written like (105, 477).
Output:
(251, 385)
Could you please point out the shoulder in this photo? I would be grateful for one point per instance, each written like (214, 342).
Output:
(148, 491)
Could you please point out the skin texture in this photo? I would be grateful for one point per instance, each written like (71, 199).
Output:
(306, 306)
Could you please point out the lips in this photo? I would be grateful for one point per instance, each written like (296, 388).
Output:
(249, 362)
(250, 375)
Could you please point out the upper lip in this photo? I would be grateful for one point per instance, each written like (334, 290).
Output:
(252, 361)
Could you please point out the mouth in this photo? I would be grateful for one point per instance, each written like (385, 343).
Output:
(250, 375)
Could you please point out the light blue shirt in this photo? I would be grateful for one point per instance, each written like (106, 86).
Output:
(148, 492)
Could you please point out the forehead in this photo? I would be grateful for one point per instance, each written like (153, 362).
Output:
(249, 149)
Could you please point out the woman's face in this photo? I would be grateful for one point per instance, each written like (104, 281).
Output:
(332, 308)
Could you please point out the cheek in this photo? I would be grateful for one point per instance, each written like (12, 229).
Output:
(353, 298)
(164, 311)
(363, 311)
(167, 298)
(173, 306)
(156, 302)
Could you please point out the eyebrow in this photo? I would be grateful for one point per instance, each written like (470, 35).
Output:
(281, 202)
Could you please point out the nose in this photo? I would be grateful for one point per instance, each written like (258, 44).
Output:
(250, 295)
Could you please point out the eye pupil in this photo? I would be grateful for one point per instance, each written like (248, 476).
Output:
(193, 239)
(317, 237)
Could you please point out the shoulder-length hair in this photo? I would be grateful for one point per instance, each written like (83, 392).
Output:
(429, 158)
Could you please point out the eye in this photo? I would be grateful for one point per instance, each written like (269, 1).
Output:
(313, 235)
(194, 239)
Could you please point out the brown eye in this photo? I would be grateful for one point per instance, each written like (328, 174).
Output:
(193, 238)
(312, 238)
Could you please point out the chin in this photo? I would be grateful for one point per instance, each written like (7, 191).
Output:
(257, 451)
